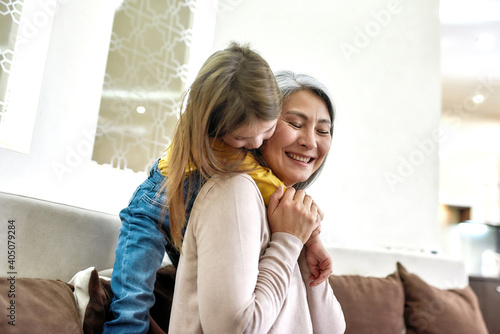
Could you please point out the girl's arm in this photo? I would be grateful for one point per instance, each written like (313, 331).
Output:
(319, 261)
(326, 312)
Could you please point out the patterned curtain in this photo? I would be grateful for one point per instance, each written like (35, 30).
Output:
(145, 78)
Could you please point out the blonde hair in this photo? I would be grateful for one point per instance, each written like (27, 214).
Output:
(234, 87)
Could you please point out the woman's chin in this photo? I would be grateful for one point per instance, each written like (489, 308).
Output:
(291, 182)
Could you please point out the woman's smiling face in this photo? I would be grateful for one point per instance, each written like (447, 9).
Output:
(302, 138)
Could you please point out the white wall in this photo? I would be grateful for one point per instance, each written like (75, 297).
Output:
(380, 60)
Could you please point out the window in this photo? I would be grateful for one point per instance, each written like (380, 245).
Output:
(146, 75)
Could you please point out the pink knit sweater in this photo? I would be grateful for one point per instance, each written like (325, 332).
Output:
(235, 277)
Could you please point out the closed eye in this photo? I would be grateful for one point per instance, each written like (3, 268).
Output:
(323, 132)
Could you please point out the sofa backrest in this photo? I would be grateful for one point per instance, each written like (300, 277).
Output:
(54, 240)
(437, 270)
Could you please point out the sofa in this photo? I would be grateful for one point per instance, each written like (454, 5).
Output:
(57, 261)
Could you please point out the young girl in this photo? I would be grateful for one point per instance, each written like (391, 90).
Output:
(232, 106)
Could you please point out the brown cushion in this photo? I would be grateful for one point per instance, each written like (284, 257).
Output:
(430, 310)
(371, 305)
(97, 311)
(41, 306)
(100, 297)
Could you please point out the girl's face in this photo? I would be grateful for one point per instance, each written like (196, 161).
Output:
(252, 135)
(302, 138)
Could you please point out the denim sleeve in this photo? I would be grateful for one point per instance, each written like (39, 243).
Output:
(139, 253)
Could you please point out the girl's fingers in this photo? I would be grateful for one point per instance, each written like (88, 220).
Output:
(320, 214)
(289, 194)
(308, 202)
(299, 196)
(315, 212)
(274, 200)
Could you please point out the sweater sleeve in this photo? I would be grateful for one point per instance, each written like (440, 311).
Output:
(326, 312)
(243, 279)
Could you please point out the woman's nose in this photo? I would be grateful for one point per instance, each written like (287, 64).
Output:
(307, 138)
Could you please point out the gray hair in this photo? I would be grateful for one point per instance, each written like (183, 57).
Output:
(289, 83)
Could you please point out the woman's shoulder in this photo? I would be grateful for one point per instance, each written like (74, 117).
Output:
(228, 195)
(230, 186)
(237, 180)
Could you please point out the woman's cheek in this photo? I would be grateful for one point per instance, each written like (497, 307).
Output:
(325, 147)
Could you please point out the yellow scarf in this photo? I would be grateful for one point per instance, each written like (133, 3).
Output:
(266, 181)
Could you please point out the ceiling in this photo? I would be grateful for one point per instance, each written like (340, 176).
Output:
(470, 55)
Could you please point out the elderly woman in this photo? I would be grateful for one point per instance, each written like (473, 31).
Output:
(238, 272)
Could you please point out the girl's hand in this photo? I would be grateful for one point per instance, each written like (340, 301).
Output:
(318, 260)
(293, 212)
